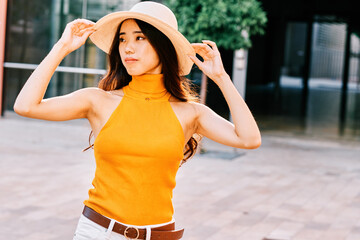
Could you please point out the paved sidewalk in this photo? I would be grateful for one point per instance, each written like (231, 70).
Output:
(289, 188)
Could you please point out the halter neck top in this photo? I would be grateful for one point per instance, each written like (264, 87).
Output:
(138, 152)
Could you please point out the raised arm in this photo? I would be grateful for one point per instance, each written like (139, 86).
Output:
(244, 133)
(30, 102)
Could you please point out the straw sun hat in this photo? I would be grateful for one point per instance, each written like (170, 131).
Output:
(156, 14)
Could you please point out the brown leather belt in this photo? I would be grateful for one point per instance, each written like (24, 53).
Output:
(166, 232)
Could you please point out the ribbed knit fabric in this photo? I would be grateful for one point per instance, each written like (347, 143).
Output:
(137, 153)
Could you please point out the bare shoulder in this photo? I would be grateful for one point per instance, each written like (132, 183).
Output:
(88, 93)
(189, 106)
(91, 91)
(187, 114)
(95, 94)
(190, 112)
(103, 104)
(100, 101)
(198, 108)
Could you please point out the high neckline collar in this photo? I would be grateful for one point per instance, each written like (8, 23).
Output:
(148, 83)
(149, 87)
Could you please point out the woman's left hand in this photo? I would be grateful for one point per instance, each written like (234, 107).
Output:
(212, 65)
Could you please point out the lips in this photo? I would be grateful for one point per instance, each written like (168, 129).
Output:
(129, 60)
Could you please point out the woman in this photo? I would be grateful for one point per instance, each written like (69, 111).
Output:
(143, 116)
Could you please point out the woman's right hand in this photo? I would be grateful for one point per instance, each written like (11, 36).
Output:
(76, 33)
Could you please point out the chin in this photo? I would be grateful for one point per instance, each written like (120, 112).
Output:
(131, 73)
(134, 72)
(137, 73)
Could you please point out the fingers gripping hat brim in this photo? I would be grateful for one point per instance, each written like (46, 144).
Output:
(106, 27)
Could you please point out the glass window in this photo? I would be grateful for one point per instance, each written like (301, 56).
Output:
(34, 26)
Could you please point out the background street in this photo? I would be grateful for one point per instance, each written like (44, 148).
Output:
(292, 187)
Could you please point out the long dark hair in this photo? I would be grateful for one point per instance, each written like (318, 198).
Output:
(179, 87)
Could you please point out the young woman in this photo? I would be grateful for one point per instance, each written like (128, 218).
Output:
(143, 117)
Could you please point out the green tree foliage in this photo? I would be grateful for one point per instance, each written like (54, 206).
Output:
(229, 23)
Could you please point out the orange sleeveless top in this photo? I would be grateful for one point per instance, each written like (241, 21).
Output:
(138, 152)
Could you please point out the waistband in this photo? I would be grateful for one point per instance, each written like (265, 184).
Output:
(164, 232)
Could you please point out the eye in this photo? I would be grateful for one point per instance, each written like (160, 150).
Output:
(137, 38)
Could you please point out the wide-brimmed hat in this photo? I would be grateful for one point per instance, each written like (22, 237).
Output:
(156, 14)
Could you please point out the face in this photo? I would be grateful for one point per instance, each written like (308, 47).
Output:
(137, 54)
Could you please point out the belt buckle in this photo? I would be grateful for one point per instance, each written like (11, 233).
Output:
(127, 231)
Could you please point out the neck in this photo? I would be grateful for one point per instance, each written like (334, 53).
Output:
(148, 83)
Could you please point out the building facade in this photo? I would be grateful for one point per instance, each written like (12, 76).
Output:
(302, 75)
(33, 27)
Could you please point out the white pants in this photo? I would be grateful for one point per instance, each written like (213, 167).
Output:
(89, 230)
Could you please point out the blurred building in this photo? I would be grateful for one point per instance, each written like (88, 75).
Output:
(33, 27)
(302, 75)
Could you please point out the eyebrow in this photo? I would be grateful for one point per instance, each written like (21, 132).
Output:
(123, 33)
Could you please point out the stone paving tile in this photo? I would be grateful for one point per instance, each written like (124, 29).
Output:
(286, 230)
(290, 188)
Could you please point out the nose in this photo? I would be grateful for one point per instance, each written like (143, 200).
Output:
(129, 48)
(129, 51)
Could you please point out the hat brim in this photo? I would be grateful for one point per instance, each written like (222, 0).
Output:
(106, 27)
